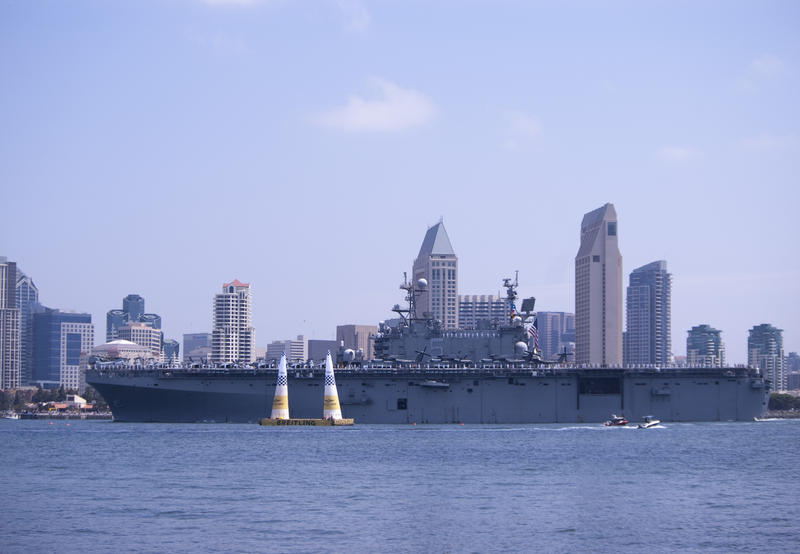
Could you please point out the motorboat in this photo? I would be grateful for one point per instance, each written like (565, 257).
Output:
(649, 422)
(616, 421)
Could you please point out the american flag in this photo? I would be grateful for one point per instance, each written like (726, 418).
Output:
(534, 332)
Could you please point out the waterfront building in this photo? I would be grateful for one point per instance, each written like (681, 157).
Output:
(143, 334)
(132, 312)
(765, 352)
(171, 351)
(196, 346)
(10, 327)
(437, 263)
(704, 347)
(296, 350)
(598, 290)
(648, 334)
(28, 304)
(318, 349)
(233, 336)
(793, 381)
(476, 310)
(358, 337)
(60, 338)
(556, 333)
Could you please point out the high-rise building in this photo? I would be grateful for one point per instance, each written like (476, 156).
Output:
(704, 347)
(296, 350)
(474, 310)
(598, 290)
(132, 312)
(765, 352)
(10, 327)
(556, 334)
(59, 340)
(358, 337)
(233, 336)
(133, 305)
(28, 304)
(648, 338)
(144, 335)
(437, 263)
(114, 320)
(196, 346)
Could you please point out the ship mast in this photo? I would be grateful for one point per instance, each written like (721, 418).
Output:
(409, 314)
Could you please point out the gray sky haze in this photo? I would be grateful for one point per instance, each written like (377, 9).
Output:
(164, 147)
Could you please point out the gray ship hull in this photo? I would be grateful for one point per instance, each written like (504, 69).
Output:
(485, 395)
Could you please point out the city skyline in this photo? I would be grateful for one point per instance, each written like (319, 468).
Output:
(201, 140)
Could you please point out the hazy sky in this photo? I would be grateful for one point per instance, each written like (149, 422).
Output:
(165, 147)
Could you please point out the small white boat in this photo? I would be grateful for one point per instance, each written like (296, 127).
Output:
(11, 415)
(648, 422)
(616, 421)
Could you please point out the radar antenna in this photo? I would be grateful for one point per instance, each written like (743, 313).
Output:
(410, 313)
(511, 294)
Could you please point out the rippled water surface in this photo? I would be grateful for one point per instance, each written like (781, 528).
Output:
(100, 486)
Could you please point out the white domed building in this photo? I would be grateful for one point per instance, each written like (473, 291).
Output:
(123, 349)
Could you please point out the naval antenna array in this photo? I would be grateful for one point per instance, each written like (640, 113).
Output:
(410, 313)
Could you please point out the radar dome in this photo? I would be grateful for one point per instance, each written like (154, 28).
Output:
(422, 284)
(349, 355)
(521, 348)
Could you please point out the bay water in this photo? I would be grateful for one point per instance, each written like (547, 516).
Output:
(98, 486)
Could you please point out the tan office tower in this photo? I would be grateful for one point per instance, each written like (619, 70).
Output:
(598, 290)
(232, 338)
(438, 264)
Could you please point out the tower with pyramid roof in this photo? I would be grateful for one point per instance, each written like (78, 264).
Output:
(437, 263)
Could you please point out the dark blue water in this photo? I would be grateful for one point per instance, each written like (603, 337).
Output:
(101, 486)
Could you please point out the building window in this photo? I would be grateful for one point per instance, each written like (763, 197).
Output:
(612, 228)
(595, 258)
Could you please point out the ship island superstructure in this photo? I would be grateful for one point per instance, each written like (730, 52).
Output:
(425, 374)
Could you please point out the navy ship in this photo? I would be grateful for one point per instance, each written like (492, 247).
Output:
(425, 374)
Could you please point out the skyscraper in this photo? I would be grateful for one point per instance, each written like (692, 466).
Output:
(233, 337)
(143, 335)
(704, 347)
(598, 290)
(28, 304)
(59, 340)
(556, 333)
(474, 309)
(133, 305)
(438, 264)
(10, 330)
(132, 312)
(647, 338)
(765, 352)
